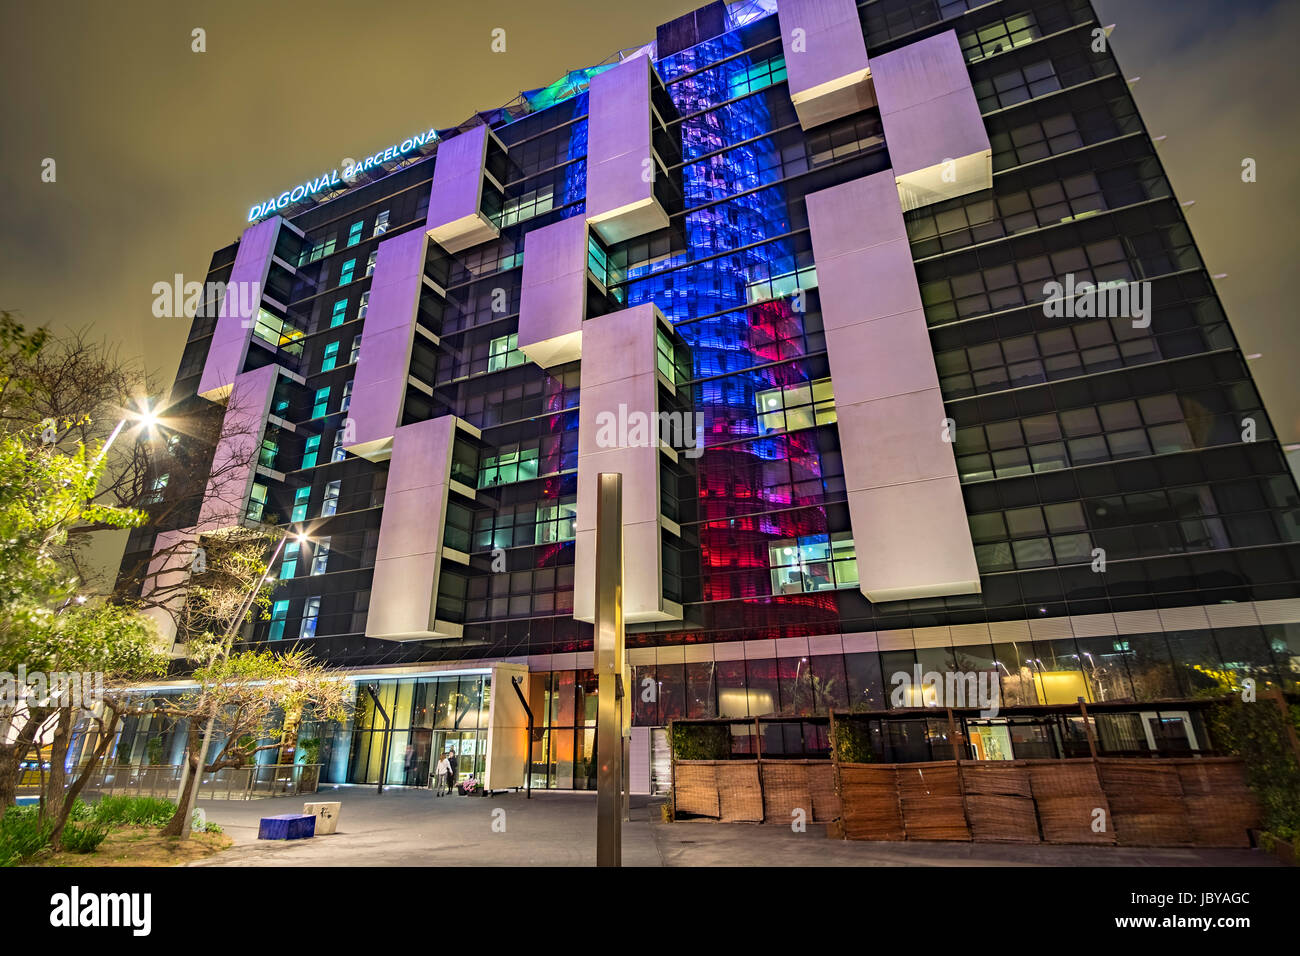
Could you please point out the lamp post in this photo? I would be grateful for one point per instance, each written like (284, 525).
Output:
(227, 640)
(609, 668)
(147, 418)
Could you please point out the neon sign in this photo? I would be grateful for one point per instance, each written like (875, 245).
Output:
(339, 176)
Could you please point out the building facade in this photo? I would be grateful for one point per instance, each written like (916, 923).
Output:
(887, 314)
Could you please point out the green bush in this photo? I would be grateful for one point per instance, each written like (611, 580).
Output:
(84, 838)
(1257, 733)
(310, 749)
(125, 810)
(22, 835)
(851, 742)
(81, 811)
(701, 741)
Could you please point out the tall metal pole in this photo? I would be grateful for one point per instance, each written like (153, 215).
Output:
(609, 668)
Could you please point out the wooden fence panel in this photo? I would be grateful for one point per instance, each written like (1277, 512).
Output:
(869, 802)
(1000, 802)
(932, 803)
(785, 789)
(1068, 793)
(695, 788)
(1146, 802)
(1221, 807)
(740, 797)
(821, 784)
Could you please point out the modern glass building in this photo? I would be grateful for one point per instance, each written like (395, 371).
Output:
(890, 319)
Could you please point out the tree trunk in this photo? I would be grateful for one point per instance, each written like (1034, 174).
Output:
(54, 796)
(179, 824)
(109, 727)
(11, 755)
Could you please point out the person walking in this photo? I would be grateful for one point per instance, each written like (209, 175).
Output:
(442, 776)
(451, 759)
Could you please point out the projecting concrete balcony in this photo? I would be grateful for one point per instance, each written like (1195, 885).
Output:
(629, 150)
(246, 290)
(904, 497)
(413, 548)
(553, 297)
(620, 387)
(825, 59)
(403, 297)
(468, 181)
(938, 144)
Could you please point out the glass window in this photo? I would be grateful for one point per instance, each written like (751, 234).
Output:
(363, 306)
(530, 204)
(279, 611)
(507, 467)
(320, 556)
(339, 452)
(381, 224)
(257, 501)
(503, 352)
(816, 562)
(300, 499)
(330, 503)
(289, 560)
(354, 233)
(758, 76)
(795, 407)
(356, 350)
(555, 522)
(313, 251)
(345, 275)
(340, 313)
(309, 451)
(310, 614)
(277, 332)
(320, 404)
(331, 357)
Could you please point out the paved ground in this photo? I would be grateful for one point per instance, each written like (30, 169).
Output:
(413, 828)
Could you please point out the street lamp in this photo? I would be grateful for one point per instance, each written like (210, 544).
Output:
(227, 640)
(148, 418)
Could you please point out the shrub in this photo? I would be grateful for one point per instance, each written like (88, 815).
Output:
(22, 835)
(310, 749)
(84, 838)
(81, 811)
(1257, 733)
(851, 741)
(125, 810)
(700, 741)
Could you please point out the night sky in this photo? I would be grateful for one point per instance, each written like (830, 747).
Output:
(161, 151)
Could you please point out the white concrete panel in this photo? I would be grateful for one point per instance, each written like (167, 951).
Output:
(912, 540)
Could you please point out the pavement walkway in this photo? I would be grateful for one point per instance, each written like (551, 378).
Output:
(415, 828)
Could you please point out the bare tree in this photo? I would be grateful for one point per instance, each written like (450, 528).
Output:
(81, 388)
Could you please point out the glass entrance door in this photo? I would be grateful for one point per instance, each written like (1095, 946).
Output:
(470, 748)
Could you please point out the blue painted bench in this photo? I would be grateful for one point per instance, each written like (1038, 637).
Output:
(287, 826)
